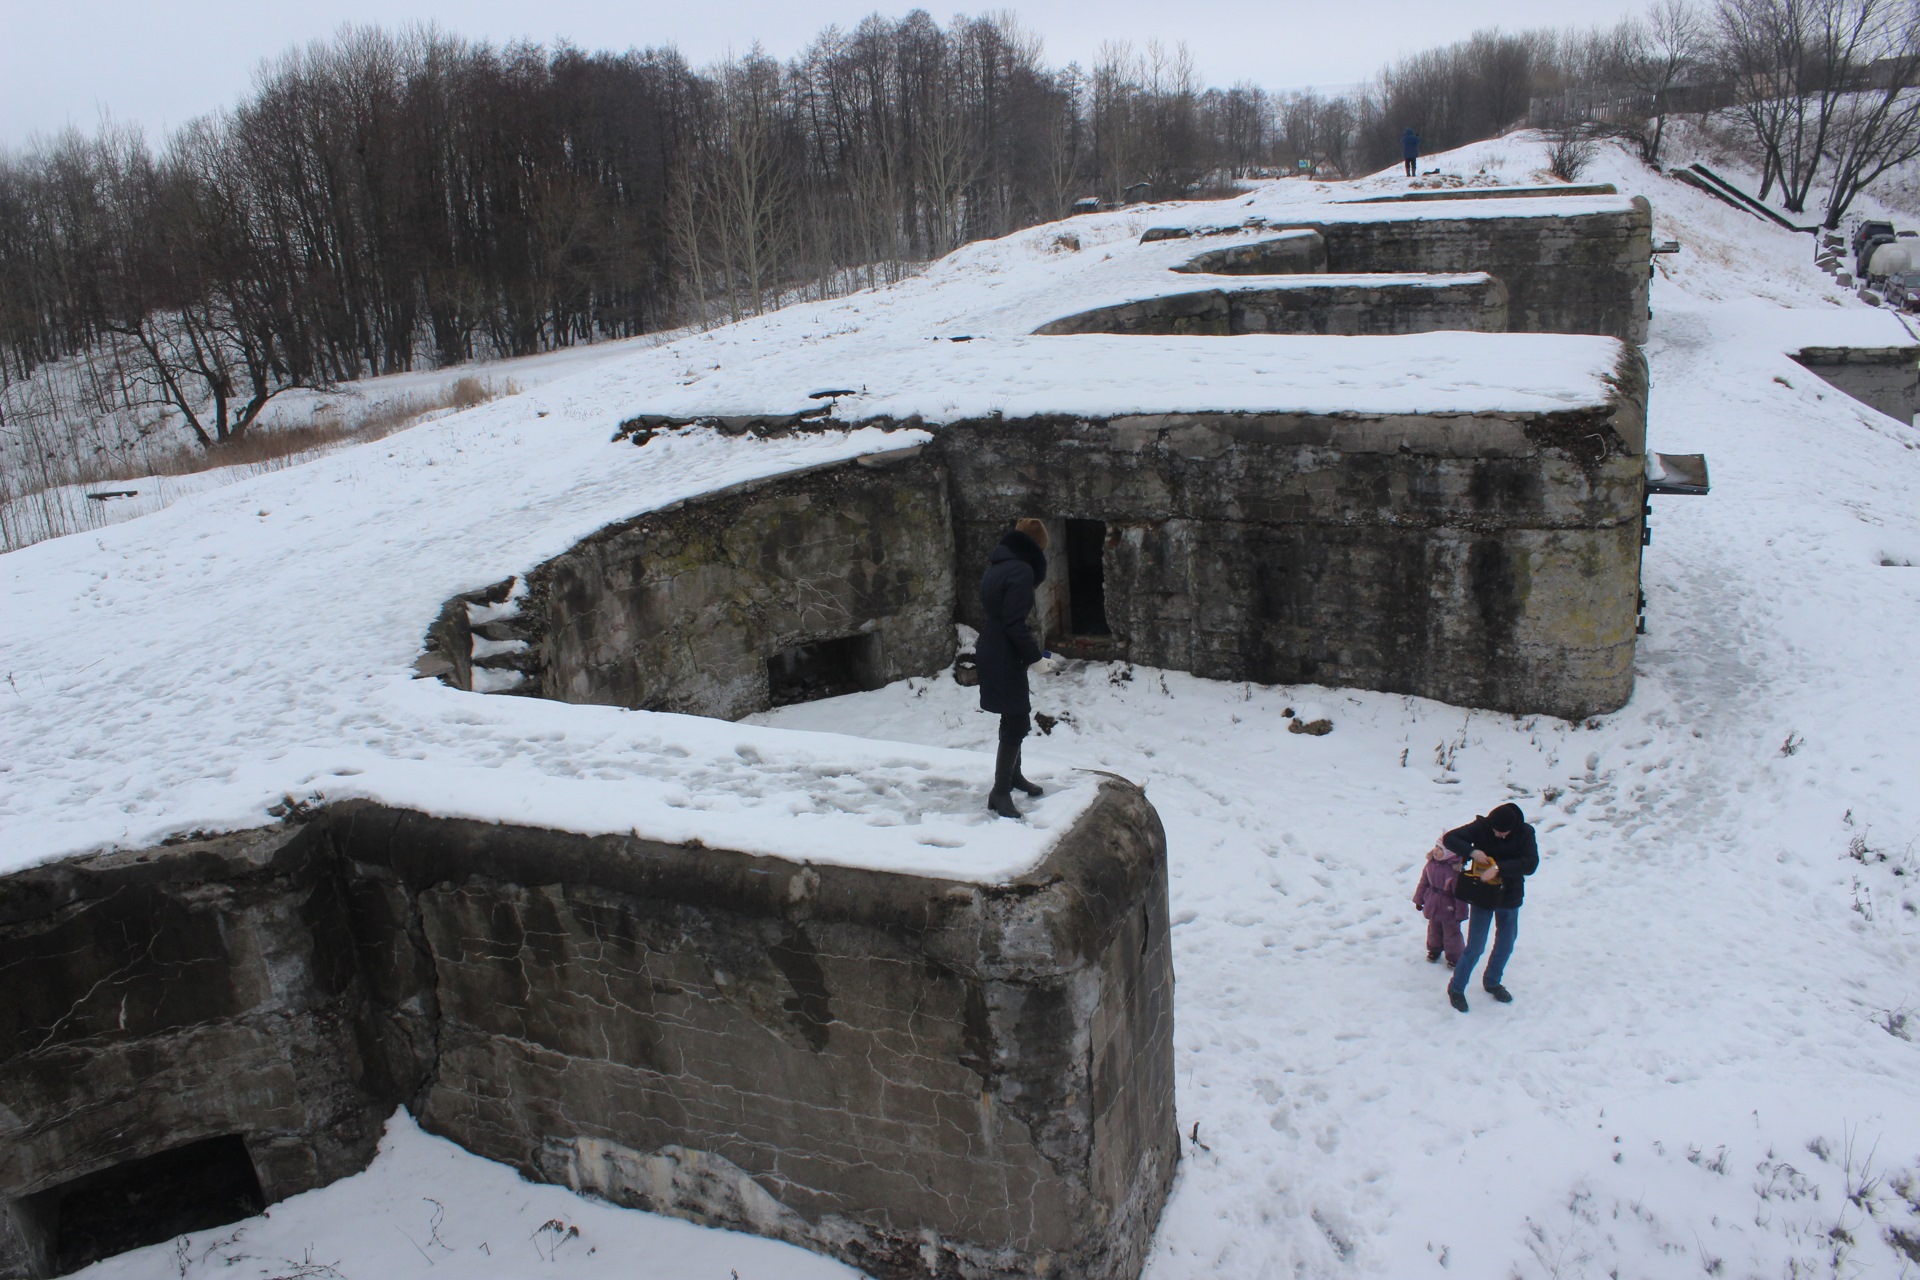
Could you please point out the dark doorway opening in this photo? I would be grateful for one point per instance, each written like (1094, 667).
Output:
(141, 1202)
(1086, 578)
(823, 669)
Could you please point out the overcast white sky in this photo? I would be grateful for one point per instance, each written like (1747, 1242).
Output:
(159, 63)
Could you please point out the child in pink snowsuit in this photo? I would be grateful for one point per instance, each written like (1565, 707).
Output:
(1444, 912)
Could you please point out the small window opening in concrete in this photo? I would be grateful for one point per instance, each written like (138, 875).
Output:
(1086, 578)
(141, 1202)
(822, 669)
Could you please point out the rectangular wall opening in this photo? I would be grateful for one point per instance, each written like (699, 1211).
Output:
(141, 1202)
(823, 669)
(1086, 578)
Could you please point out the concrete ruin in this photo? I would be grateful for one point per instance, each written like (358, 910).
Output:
(921, 1077)
(1377, 446)
(1476, 547)
(1882, 378)
(1489, 559)
(1317, 304)
(1581, 269)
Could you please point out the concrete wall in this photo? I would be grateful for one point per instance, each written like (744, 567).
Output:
(1486, 560)
(916, 1076)
(1310, 307)
(1576, 273)
(1296, 252)
(1883, 378)
(159, 997)
(680, 609)
(1489, 560)
(924, 1078)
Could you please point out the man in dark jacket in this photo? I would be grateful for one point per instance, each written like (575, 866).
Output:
(1007, 648)
(1502, 846)
(1410, 150)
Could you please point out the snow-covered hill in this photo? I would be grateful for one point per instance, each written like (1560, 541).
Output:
(1710, 1066)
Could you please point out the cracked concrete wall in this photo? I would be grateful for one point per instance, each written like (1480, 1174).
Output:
(1343, 308)
(680, 609)
(1576, 273)
(159, 997)
(1487, 560)
(922, 1077)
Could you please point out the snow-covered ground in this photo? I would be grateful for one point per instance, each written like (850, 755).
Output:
(131, 440)
(1710, 1066)
(425, 1207)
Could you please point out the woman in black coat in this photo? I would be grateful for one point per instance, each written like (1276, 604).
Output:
(1007, 648)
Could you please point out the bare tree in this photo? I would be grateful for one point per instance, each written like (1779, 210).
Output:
(948, 161)
(1877, 127)
(748, 191)
(200, 303)
(1662, 50)
(1115, 93)
(1799, 69)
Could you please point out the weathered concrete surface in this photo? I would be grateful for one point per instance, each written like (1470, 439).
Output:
(920, 1077)
(1483, 559)
(680, 609)
(1310, 306)
(1294, 252)
(181, 993)
(1489, 559)
(1575, 273)
(925, 1078)
(1883, 378)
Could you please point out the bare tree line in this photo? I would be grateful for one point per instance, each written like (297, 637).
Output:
(384, 200)
(1820, 92)
(387, 200)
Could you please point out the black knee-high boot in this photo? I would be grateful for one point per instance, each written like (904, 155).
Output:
(1020, 778)
(1005, 766)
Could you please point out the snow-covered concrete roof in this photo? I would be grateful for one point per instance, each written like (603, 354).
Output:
(1105, 376)
(189, 669)
(1282, 204)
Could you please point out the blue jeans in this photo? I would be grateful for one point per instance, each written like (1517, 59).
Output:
(1505, 923)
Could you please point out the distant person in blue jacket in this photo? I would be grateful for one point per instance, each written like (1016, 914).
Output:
(1410, 150)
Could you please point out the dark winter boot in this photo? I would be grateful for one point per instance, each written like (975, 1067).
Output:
(1020, 778)
(1456, 999)
(1000, 800)
(1500, 993)
(1433, 957)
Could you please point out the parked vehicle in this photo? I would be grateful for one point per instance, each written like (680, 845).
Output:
(1887, 260)
(1903, 291)
(1865, 237)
